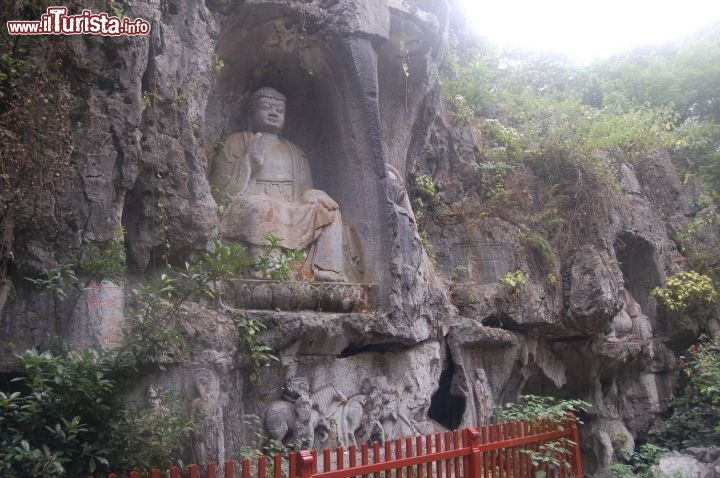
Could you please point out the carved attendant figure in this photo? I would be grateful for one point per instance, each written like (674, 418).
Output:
(207, 414)
(153, 401)
(630, 320)
(268, 179)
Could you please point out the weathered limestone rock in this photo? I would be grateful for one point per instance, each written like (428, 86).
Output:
(479, 256)
(679, 464)
(300, 295)
(419, 346)
(485, 360)
(591, 292)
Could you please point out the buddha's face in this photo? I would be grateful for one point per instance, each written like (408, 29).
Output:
(268, 115)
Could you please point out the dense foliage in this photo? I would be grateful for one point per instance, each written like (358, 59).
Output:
(571, 127)
(695, 408)
(641, 462)
(541, 409)
(67, 414)
(552, 139)
(69, 417)
(686, 290)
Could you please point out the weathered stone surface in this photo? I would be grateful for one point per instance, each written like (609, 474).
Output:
(609, 441)
(478, 256)
(337, 333)
(296, 295)
(678, 464)
(485, 360)
(591, 287)
(436, 341)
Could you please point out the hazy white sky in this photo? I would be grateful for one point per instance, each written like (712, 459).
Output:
(584, 29)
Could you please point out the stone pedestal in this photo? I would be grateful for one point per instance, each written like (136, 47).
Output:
(292, 295)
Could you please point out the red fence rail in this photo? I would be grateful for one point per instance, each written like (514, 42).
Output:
(503, 450)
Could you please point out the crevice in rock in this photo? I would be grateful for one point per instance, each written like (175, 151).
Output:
(352, 350)
(539, 384)
(501, 322)
(447, 408)
(569, 338)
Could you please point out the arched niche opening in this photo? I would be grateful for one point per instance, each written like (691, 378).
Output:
(326, 114)
(639, 268)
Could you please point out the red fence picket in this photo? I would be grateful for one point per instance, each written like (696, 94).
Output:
(490, 451)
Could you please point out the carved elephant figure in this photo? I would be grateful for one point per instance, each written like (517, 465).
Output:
(299, 416)
(362, 418)
(282, 424)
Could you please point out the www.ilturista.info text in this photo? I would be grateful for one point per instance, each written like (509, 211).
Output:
(57, 22)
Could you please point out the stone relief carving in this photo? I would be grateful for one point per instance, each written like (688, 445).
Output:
(206, 412)
(412, 411)
(301, 417)
(397, 192)
(380, 413)
(377, 413)
(268, 182)
(630, 321)
(153, 401)
(362, 415)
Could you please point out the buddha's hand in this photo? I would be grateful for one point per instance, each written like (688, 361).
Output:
(255, 150)
(313, 196)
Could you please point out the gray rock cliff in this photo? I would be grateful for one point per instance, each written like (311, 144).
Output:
(440, 338)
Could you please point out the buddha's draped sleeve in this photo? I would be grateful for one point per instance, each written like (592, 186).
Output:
(231, 169)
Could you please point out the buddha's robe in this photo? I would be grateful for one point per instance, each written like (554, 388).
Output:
(271, 199)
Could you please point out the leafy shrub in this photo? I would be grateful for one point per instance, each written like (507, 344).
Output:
(425, 186)
(695, 408)
(641, 462)
(685, 290)
(516, 280)
(537, 409)
(258, 354)
(276, 262)
(152, 329)
(69, 418)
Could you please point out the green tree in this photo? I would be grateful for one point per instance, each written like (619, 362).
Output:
(694, 418)
(68, 417)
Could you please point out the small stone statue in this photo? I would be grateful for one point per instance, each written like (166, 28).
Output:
(153, 401)
(305, 422)
(372, 429)
(267, 180)
(397, 192)
(630, 320)
(207, 414)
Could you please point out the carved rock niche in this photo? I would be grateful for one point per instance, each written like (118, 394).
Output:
(640, 271)
(331, 113)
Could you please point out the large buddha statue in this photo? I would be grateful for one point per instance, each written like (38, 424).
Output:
(269, 184)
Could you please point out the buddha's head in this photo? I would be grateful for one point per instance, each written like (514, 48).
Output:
(268, 111)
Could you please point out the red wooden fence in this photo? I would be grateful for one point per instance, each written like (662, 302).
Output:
(491, 451)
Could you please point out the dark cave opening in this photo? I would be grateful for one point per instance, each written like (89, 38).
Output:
(352, 350)
(446, 408)
(504, 322)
